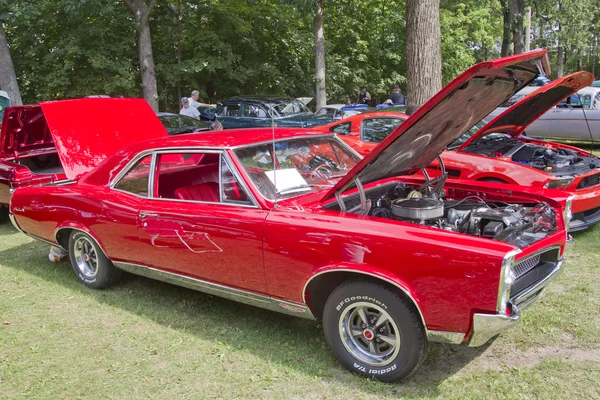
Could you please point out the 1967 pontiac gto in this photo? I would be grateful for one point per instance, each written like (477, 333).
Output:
(297, 223)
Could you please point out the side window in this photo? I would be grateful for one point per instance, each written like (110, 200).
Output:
(342, 129)
(232, 110)
(135, 181)
(377, 129)
(232, 191)
(197, 177)
(254, 111)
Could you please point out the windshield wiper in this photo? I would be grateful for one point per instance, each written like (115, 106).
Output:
(294, 188)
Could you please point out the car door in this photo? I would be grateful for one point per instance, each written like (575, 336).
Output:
(200, 221)
(254, 116)
(229, 116)
(569, 121)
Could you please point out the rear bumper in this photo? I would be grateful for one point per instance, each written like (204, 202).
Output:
(486, 326)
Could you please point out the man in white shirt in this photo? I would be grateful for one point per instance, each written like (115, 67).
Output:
(188, 110)
(194, 99)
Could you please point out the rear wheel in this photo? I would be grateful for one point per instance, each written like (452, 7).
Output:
(89, 262)
(374, 331)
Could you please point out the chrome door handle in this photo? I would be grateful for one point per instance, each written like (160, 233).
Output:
(145, 215)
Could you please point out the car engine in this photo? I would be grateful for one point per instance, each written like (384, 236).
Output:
(512, 223)
(555, 161)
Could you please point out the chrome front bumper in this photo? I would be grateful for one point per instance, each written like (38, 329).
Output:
(486, 326)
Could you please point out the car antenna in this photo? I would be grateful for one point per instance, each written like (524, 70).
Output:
(274, 155)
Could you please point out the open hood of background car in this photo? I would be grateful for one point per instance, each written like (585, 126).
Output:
(445, 117)
(86, 131)
(523, 113)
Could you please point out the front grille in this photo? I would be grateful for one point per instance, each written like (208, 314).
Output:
(534, 269)
(588, 181)
(526, 265)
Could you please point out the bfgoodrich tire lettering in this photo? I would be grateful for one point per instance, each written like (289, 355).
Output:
(89, 262)
(389, 346)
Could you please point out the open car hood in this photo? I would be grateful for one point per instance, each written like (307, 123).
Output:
(86, 131)
(445, 117)
(523, 113)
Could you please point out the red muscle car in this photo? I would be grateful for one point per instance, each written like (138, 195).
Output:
(297, 223)
(29, 157)
(497, 151)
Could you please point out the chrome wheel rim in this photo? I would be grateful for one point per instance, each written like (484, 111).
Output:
(369, 334)
(86, 257)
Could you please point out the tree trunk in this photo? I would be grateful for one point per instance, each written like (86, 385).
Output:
(141, 12)
(517, 10)
(560, 61)
(321, 92)
(8, 78)
(423, 51)
(506, 30)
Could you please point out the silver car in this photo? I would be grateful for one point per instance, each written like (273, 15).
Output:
(575, 118)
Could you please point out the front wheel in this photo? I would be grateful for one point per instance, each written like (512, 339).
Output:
(89, 262)
(374, 331)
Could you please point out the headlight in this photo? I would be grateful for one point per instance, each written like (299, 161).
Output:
(568, 212)
(559, 183)
(507, 278)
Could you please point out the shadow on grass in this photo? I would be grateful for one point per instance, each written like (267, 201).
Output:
(294, 342)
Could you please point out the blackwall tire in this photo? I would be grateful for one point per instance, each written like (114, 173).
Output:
(90, 264)
(393, 343)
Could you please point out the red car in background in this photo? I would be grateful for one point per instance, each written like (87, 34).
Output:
(28, 154)
(497, 151)
(296, 222)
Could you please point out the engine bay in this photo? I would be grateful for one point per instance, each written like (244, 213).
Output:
(558, 162)
(460, 211)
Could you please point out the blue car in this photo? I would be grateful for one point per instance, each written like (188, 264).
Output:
(255, 112)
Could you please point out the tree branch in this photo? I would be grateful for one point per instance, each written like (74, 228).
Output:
(130, 5)
(149, 7)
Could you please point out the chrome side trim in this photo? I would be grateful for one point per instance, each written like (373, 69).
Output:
(374, 276)
(445, 337)
(242, 296)
(13, 221)
(486, 326)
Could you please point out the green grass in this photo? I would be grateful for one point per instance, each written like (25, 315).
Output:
(145, 339)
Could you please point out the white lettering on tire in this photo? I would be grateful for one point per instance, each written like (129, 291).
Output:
(354, 298)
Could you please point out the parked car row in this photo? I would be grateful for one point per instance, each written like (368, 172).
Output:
(386, 251)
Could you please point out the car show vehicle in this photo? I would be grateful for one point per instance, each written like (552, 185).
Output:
(176, 124)
(576, 117)
(364, 131)
(296, 222)
(256, 112)
(498, 152)
(4, 102)
(337, 111)
(31, 136)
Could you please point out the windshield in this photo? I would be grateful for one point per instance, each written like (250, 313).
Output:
(176, 124)
(467, 135)
(288, 108)
(302, 165)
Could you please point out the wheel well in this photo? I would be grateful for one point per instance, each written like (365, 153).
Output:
(62, 237)
(319, 289)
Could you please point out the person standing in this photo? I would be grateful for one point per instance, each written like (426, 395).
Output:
(363, 96)
(188, 110)
(194, 99)
(397, 97)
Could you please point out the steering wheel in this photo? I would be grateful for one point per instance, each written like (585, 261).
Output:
(322, 171)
